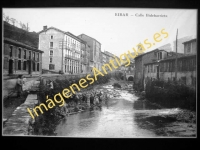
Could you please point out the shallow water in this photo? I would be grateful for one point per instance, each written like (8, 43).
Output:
(122, 118)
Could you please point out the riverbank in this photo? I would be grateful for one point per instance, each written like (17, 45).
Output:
(182, 123)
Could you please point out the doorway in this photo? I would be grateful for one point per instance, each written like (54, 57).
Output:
(157, 68)
(10, 69)
(29, 66)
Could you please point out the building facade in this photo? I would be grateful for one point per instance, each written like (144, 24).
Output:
(142, 59)
(85, 56)
(20, 58)
(62, 50)
(165, 68)
(95, 51)
(190, 47)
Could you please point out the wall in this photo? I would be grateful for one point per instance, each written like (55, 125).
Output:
(186, 72)
(90, 43)
(44, 45)
(139, 62)
(15, 59)
(95, 50)
(193, 46)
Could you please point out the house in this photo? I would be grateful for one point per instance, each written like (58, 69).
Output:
(145, 58)
(95, 51)
(186, 66)
(85, 57)
(62, 51)
(190, 47)
(20, 58)
(20, 52)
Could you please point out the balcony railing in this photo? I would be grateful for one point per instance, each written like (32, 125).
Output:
(71, 57)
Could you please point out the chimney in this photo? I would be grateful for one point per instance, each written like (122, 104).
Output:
(44, 27)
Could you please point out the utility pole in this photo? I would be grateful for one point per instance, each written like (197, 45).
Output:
(62, 57)
(176, 57)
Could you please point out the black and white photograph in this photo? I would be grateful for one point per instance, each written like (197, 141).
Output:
(99, 72)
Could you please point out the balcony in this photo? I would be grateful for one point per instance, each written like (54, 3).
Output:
(71, 57)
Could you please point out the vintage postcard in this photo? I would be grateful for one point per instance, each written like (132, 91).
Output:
(99, 72)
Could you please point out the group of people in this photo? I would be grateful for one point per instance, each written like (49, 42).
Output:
(95, 99)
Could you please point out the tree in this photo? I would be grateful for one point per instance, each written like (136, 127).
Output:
(13, 20)
(7, 19)
(23, 26)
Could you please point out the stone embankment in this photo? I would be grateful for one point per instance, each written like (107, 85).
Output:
(19, 122)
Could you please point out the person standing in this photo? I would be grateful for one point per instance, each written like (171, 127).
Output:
(23, 84)
(19, 86)
(51, 86)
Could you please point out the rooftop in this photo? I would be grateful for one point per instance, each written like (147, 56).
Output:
(147, 53)
(190, 41)
(172, 58)
(21, 44)
(68, 33)
(89, 37)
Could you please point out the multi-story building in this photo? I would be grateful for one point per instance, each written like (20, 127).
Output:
(20, 52)
(85, 56)
(95, 51)
(164, 69)
(88, 69)
(20, 58)
(190, 47)
(62, 50)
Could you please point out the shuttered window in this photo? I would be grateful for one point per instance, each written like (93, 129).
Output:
(51, 66)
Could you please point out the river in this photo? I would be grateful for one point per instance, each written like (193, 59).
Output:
(124, 117)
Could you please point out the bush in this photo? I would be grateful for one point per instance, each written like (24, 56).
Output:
(171, 94)
(45, 124)
(61, 72)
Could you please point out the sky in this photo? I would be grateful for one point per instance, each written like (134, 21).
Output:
(117, 34)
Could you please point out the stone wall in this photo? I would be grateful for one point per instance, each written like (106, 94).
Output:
(19, 124)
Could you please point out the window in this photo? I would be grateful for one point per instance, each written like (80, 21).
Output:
(180, 66)
(51, 59)
(160, 55)
(19, 53)
(38, 67)
(51, 44)
(24, 54)
(51, 36)
(11, 51)
(19, 64)
(29, 54)
(51, 53)
(65, 68)
(24, 65)
(33, 66)
(38, 58)
(51, 66)
(33, 55)
(188, 47)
